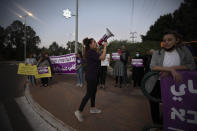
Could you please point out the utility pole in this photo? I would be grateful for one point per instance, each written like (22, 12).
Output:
(76, 27)
(25, 33)
(67, 14)
(133, 36)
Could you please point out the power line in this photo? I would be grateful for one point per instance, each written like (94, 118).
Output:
(133, 36)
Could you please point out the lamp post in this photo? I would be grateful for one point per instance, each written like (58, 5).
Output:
(25, 34)
(67, 14)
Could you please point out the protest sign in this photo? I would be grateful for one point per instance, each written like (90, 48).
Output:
(27, 69)
(64, 64)
(179, 102)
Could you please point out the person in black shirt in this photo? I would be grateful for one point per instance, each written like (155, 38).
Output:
(138, 71)
(147, 60)
(93, 61)
(124, 58)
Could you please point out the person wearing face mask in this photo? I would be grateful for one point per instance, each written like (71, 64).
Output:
(138, 71)
(173, 56)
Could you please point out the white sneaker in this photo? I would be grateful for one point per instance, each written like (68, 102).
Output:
(79, 116)
(78, 84)
(95, 110)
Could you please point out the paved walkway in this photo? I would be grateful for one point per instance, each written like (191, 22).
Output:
(123, 109)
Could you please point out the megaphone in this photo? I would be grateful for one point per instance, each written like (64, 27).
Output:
(105, 37)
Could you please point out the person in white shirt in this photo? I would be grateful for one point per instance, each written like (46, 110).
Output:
(172, 57)
(32, 61)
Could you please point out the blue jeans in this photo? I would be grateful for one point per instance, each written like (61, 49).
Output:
(80, 75)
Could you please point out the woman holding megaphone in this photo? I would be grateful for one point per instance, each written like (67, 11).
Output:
(92, 59)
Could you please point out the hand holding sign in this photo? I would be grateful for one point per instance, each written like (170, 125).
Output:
(115, 56)
(176, 75)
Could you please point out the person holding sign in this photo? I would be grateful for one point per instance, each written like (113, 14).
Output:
(172, 57)
(43, 62)
(31, 61)
(93, 62)
(138, 69)
(118, 69)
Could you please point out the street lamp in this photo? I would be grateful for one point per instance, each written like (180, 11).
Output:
(67, 14)
(25, 42)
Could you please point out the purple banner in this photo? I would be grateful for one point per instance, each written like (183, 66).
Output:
(43, 70)
(137, 62)
(179, 102)
(64, 64)
(115, 56)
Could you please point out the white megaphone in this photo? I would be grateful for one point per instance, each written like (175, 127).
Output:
(105, 37)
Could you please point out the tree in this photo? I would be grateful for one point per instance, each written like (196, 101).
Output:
(2, 36)
(155, 32)
(55, 49)
(71, 46)
(14, 40)
(183, 20)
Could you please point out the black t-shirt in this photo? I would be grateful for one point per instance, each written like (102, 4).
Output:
(124, 57)
(93, 63)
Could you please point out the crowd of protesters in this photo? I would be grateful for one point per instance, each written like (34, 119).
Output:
(40, 61)
(172, 56)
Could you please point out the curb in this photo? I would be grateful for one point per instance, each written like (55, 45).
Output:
(42, 119)
(4, 119)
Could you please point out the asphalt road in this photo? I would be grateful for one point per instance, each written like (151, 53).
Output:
(11, 86)
(123, 109)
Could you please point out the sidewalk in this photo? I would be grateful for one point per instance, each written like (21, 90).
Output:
(123, 109)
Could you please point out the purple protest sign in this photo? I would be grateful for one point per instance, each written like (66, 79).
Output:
(179, 102)
(64, 64)
(137, 62)
(115, 56)
(43, 70)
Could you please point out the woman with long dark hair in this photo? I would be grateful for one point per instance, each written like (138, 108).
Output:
(172, 57)
(93, 61)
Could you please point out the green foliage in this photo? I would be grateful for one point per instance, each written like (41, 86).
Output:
(55, 50)
(12, 40)
(183, 20)
(71, 47)
(156, 31)
(133, 47)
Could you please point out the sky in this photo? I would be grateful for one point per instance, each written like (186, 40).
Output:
(120, 16)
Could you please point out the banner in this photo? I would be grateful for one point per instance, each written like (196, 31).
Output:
(64, 64)
(180, 102)
(137, 62)
(106, 61)
(26, 69)
(115, 56)
(43, 72)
